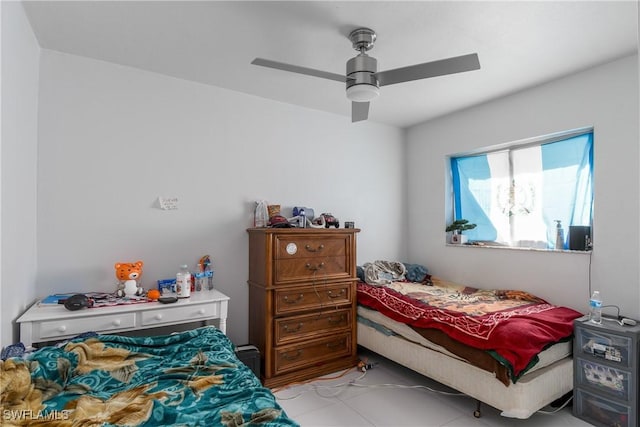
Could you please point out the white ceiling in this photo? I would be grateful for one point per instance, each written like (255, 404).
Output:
(520, 44)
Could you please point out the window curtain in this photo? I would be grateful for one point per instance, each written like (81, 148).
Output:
(566, 194)
(567, 170)
(467, 173)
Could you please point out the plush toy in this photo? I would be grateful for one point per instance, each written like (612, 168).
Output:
(128, 274)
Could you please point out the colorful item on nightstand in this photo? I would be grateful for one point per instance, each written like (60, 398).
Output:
(128, 274)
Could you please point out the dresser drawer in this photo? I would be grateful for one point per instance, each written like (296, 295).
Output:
(298, 327)
(184, 314)
(311, 269)
(312, 297)
(75, 326)
(312, 352)
(290, 247)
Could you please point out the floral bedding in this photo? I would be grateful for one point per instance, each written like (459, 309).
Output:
(191, 378)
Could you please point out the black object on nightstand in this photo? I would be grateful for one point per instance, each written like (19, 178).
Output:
(250, 356)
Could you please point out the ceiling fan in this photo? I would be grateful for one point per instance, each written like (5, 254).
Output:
(363, 78)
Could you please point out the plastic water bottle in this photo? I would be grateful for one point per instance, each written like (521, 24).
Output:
(595, 306)
(183, 282)
(261, 217)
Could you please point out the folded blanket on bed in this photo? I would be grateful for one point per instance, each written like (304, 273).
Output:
(383, 272)
(191, 378)
(515, 325)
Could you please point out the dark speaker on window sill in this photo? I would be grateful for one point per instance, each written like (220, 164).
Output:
(579, 237)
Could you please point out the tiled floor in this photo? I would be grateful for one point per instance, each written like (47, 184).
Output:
(384, 396)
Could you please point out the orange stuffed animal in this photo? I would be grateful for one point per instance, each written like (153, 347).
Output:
(128, 274)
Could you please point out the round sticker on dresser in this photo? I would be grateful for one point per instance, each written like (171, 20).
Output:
(292, 248)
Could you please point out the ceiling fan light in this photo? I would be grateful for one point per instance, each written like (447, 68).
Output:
(362, 92)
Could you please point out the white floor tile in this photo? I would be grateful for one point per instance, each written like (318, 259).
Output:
(400, 406)
(336, 415)
(381, 398)
(300, 400)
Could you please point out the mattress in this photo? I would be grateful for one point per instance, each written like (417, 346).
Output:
(383, 323)
(500, 330)
(532, 392)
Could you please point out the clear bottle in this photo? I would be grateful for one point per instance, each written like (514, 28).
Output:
(183, 282)
(595, 308)
(559, 235)
(261, 217)
(197, 277)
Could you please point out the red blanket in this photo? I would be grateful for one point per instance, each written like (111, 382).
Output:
(514, 324)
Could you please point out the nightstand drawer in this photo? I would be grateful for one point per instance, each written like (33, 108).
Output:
(298, 327)
(69, 327)
(184, 314)
(313, 352)
(606, 379)
(600, 411)
(604, 345)
(312, 297)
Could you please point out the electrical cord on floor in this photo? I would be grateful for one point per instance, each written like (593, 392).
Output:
(432, 390)
(363, 367)
(313, 386)
(555, 411)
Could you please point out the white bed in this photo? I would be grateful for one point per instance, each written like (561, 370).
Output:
(551, 379)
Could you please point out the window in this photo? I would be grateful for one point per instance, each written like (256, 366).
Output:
(516, 195)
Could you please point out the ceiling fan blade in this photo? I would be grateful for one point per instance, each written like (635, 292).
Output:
(300, 70)
(442, 67)
(359, 111)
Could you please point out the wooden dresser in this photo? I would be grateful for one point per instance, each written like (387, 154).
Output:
(302, 301)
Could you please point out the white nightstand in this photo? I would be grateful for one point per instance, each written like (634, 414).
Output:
(41, 323)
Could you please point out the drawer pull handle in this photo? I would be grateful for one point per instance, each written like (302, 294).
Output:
(333, 321)
(332, 295)
(314, 267)
(201, 311)
(292, 356)
(62, 328)
(291, 331)
(310, 249)
(335, 344)
(297, 300)
(116, 322)
(158, 316)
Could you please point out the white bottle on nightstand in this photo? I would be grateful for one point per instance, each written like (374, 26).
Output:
(183, 282)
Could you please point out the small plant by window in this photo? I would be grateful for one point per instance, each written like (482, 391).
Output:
(457, 227)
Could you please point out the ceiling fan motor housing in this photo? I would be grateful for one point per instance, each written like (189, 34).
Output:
(361, 71)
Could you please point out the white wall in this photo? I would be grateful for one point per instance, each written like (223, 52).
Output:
(113, 139)
(18, 154)
(606, 98)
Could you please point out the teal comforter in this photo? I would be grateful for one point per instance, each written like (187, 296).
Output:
(192, 378)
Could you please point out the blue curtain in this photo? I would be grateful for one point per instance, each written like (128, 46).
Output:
(567, 168)
(473, 206)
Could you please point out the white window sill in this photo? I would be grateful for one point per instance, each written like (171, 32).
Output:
(516, 248)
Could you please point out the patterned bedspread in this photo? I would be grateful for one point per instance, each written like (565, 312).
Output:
(191, 379)
(515, 325)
